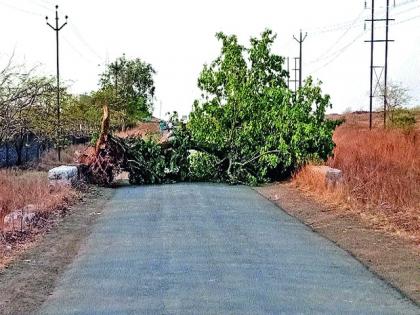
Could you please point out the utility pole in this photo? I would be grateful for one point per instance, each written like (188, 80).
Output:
(372, 41)
(295, 72)
(300, 42)
(386, 61)
(57, 29)
(372, 37)
(116, 67)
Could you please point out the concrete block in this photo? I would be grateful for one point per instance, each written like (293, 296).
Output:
(65, 174)
(332, 176)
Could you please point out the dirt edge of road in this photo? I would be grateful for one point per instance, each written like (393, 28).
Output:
(393, 259)
(26, 283)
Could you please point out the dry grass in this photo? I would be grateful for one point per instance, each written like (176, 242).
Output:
(22, 188)
(49, 159)
(381, 177)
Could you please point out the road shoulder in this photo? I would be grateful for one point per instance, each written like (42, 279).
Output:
(26, 283)
(394, 259)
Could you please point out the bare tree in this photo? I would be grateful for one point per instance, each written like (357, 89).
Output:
(397, 96)
(19, 90)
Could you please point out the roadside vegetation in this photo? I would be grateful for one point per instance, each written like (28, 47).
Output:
(381, 173)
(28, 108)
(22, 188)
(29, 204)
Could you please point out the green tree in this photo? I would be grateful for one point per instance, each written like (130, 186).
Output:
(255, 126)
(131, 81)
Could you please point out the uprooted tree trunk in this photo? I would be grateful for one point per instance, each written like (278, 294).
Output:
(104, 130)
(101, 165)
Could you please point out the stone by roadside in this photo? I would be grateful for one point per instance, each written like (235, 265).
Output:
(394, 259)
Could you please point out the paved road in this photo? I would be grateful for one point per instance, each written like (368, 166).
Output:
(213, 249)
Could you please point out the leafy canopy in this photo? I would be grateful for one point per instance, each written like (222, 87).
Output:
(132, 86)
(258, 129)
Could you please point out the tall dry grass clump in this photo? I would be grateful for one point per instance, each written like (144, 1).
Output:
(381, 170)
(19, 189)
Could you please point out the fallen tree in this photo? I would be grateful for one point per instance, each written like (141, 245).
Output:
(248, 128)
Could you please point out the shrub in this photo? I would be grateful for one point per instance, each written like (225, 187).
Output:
(381, 175)
(403, 119)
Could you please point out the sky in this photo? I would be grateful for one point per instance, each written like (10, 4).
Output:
(178, 38)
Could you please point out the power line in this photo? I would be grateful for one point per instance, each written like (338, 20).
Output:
(351, 23)
(74, 29)
(407, 20)
(324, 54)
(40, 4)
(68, 42)
(11, 6)
(405, 3)
(78, 34)
(335, 27)
(406, 10)
(338, 53)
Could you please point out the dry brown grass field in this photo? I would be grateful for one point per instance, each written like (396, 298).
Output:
(381, 175)
(25, 193)
(19, 189)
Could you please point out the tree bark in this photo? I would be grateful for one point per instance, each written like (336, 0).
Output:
(19, 149)
(104, 130)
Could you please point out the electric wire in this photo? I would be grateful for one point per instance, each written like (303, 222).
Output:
(78, 34)
(351, 23)
(338, 53)
(81, 55)
(11, 6)
(325, 54)
(39, 4)
(342, 36)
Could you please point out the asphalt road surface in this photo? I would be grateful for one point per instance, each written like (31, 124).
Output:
(213, 249)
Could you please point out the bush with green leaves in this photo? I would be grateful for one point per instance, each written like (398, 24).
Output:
(144, 162)
(403, 119)
(202, 166)
(148, 162)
